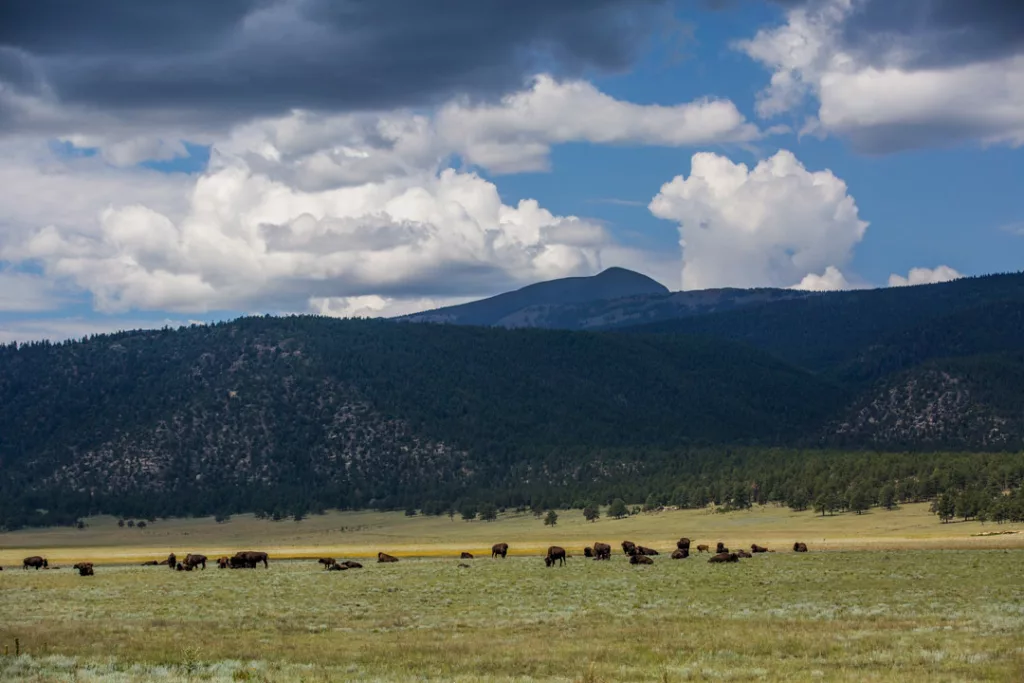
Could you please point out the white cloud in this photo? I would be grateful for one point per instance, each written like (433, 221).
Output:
(832, 280)
(772, 225)
(26, 292)
(924, 276)
(373, 306)
(890, 102)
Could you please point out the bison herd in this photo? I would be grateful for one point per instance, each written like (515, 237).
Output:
(250, 559)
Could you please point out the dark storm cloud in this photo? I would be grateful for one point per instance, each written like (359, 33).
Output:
(231, 58)
(935, 32)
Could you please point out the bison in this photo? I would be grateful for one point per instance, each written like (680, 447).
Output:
(637, 558)
(466, 556)
(151, 563)
(683, 544)
(384, 557)
(641, 550)
(743, 553)
(171, 561)
(720, 548)
(555, 554)
(678, 554)
(239, 562)
(182, 567)
(35, 562)
(223, 562)
(799, 547)
(588, 552)
(628, 547)
(755, 548)
(724, 557)
(84, 568)
(195, 560)
(602, 551)
(703, 549)
(327, 562)
(337, 567)
(254, 557)
(352, 564)
(499, 549)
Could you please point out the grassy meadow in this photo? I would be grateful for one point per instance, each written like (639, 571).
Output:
(947, 606)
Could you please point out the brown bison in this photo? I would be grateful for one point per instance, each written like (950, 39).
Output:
(720, 548)
(171, 561)
(755, 548)
(239, 562)
(195, 560)
(384, 557)
(637, 558)
(799, 547)
(254, 557)
(628, 547)
(499, 549)
(641, 550)
(151, 563)
(84, 568)
(588, 552)
(555, 554)
(182, 567)
(743, 553)
(35, 562)
(683, 544)
(466, 556)
(337, 568)
(352, 564)
(678, 554)
(327, 562)
(724, 557)
(602, 551)
(703, 549)
(223, 562)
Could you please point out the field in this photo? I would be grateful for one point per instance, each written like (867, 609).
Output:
(853, 609)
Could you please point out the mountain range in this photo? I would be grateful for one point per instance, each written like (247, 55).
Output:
(603, 385)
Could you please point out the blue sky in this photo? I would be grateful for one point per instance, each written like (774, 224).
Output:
(813, 144)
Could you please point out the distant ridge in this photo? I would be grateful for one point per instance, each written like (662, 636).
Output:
(500, 310)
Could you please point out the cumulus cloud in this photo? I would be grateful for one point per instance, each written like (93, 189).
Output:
(832, 280)
(774, 225)
(517, 133)
(935, 73)
(228, 61)
(924, 276)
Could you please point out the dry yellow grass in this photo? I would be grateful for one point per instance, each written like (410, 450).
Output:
(363, 534)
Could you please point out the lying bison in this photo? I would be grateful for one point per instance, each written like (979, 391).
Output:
(724, 557)
(637, 558)
(755, 548)
(337, 567)
(602, 551)
(35, 562)
(555, 554)
(195, 560)
(327, 562)
(384, 557)
(743, 553)
(151, 563)
(466, 556)
(678, 554)
(683, 544)
(628, 547)
(84, 568)
(720, 548)
(642, 550)
(703, 549)
(588, 552)
(182, 567)
(799, 547)
(499, 550)
(351, 564)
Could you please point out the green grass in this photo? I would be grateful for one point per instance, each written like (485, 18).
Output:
(923, 615)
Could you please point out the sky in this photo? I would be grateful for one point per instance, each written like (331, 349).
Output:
(167, 163)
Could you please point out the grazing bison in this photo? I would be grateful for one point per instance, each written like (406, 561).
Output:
(602, 551)
(588, 552)
(384, 557)
(555, 554)
(743, 553)
(239, 562)
(254, 557)
(499, 549)
(628, 547)
(352, 564)
(799, 547)
(641, 550)
(755, 548)
(223, 562)
(84, 568)
(703, 549)
(678, 554)
(683, 544)
(724, 557)
(637, 558)
(466, 556)
(327, 562)
(720, 548)
(35, 562)
(195, 560)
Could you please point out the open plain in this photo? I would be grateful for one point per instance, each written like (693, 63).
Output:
(886, 596)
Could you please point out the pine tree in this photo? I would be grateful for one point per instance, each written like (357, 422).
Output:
(551, 519)
(488, 512)
(591, 513)
(618, 509)
(887, 496)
